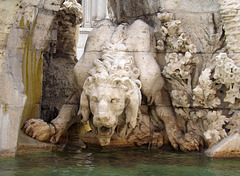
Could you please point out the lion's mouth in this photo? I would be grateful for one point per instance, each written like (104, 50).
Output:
(104, 129)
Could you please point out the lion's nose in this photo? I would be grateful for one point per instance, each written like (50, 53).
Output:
(102, 120)
(106, 120)
(103, 116)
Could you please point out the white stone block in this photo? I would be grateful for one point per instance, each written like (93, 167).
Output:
(190, 5)
(200, 29)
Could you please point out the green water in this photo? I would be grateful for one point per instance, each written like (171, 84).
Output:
(126, 162)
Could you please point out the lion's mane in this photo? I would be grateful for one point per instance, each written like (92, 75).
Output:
(116, 69)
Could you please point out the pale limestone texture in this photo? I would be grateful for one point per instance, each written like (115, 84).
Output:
(188, 91)
(201, 87)
(226, 74)
(230, 13)
(29, 30)
(60, 59)
(170, 79)
(12, 97)
(113, 90)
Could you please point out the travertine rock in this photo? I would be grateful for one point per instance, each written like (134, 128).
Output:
(118, 78)
(69, 18)
(204, 95)
(12, 96)
(60, 59)
(229, 11)
(28, 31)
(124, 52)
(188, 92)
(228, 147)
(111, 95)
(126, 10)
(227, 73)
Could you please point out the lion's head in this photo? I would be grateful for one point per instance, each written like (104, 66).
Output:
(111, 96)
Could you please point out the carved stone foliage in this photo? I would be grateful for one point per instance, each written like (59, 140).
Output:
(187, 91)
(227, 73)
(204, 94)
(196, 100)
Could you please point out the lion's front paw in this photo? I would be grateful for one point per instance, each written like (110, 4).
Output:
(60, 137)
(38, 129)
(187, 142)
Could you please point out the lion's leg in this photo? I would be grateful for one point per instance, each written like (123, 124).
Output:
(186, 142)
(55, 131)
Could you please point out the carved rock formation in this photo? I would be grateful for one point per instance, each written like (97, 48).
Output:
(201, 94)
(121, 71)
(229, 10)
(120, 86)
(226, 74)
(112, 79)
(29, 32)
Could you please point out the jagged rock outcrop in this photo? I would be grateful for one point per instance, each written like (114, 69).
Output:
(195, 47)
(229, 11)
(29, 32)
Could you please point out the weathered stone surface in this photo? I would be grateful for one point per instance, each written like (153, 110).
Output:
(31, 3)
(230, 13)
(85, 64)
(143, 36)
(113, 90)
(128, 11)
(42, 31)
(197, 107)
(124, 10)
(190, 5)
(69, 18)
(228, 147)
(26, 33)
(30, 145)
(53, 5)
(94, 43)
(58, 84)
(12, 97)
(201, 29)
(10, 115)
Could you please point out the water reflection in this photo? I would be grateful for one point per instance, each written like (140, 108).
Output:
(111, 162)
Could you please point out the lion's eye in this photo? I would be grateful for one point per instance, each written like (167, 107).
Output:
(114, 100)
(95, 99)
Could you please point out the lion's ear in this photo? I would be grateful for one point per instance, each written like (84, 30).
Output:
(132, 108)
(84, 108)
(133, 102)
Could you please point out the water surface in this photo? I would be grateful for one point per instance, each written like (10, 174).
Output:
(115, 162)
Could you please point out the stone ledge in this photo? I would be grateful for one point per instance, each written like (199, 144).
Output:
(27, 144)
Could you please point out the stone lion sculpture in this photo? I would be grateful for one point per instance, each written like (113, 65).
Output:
(119, 92)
